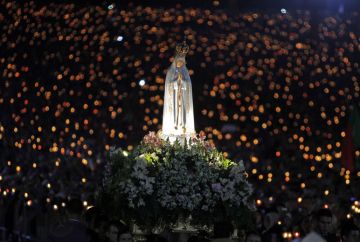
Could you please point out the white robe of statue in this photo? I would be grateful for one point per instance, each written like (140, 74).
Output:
(178, 115)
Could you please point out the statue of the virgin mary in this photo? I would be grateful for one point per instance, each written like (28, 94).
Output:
(178, 115)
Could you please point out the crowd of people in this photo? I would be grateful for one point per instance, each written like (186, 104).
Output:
(271, 88)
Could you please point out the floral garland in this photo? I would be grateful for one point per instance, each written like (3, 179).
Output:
(160, 184)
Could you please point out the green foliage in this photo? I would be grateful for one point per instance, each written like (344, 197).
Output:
(160, 184)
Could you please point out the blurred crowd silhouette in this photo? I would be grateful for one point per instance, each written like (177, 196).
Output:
(272, 88)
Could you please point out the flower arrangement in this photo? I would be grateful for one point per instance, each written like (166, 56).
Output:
(160, 184)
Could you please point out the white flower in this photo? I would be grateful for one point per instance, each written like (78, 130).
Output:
(131, 204)
(114, 151)
(205, 208)
(141, 202)
(175, 186)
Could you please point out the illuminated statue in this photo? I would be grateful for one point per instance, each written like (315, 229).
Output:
(178, 115)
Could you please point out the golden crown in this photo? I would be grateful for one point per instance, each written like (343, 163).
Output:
(182, 49)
